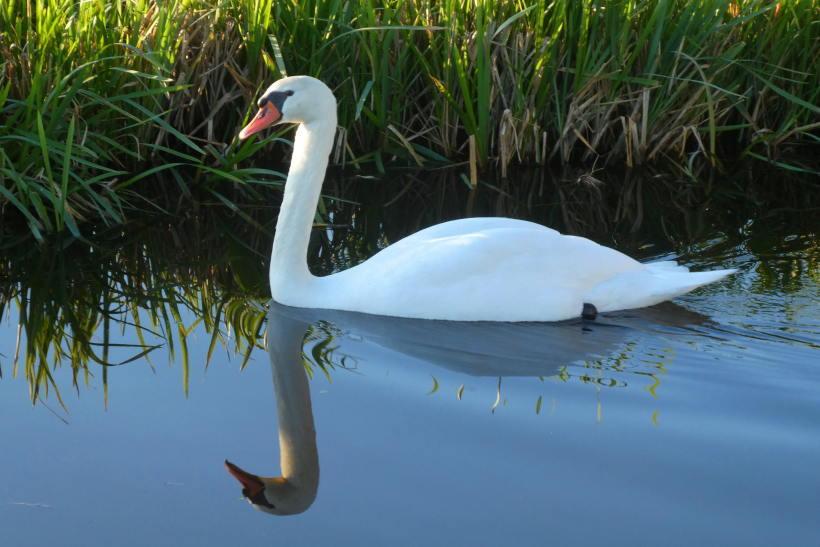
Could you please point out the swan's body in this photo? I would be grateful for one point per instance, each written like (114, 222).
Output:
(481, 269)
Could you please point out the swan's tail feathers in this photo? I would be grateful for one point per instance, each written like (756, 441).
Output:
(647, 287)
(670, 283)
(698, 279)
(666, 266)
(680, 278)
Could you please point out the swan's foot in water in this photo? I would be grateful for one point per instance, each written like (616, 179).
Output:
(590, 312)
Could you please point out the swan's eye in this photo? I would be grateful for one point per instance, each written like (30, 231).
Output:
(276, 98)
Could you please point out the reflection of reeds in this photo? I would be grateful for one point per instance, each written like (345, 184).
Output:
(670, 199)
(160, 279)
(320, 342)
(207, 268)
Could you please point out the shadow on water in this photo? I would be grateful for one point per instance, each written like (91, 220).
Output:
(480, 348)
(164, 276)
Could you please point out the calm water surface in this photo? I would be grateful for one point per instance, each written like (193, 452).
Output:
(693, 422)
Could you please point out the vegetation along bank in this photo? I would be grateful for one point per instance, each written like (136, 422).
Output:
(97, 95)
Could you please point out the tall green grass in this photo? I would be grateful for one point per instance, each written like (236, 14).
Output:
(96, 96)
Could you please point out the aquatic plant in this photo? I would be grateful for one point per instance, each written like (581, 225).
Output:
(97, 96)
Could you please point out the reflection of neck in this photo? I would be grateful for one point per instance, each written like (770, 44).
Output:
(311, 150)
(297, 435)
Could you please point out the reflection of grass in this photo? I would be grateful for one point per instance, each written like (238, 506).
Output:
(660, 205)
(320, 341)
(203, 268)
(70, 301)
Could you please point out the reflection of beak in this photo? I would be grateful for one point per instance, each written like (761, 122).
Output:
(267, 116)
(251, 484)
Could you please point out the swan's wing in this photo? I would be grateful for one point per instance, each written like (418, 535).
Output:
(511, 271)
(469, 226)
(502, 270)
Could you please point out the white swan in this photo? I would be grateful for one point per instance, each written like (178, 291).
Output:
(478, 269)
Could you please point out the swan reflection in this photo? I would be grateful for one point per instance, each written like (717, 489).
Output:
(487, 348)
(476, 349)
(295, 490)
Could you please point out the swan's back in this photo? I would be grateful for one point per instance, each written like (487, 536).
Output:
(501, 270)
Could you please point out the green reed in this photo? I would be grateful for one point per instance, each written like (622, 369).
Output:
(93, 92)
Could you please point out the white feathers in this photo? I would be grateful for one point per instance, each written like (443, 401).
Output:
(479, 269)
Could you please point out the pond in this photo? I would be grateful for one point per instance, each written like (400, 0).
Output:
(693, 422)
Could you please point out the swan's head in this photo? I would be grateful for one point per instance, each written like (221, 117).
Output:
(298, 99)
(275, 496)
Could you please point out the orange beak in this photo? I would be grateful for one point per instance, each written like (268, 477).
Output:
(267, 116)
(251, 484)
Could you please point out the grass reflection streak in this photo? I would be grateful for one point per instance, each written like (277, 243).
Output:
(71, 297)
(206, 267)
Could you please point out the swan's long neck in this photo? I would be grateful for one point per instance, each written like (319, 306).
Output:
(299, 457)
(311, 149)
